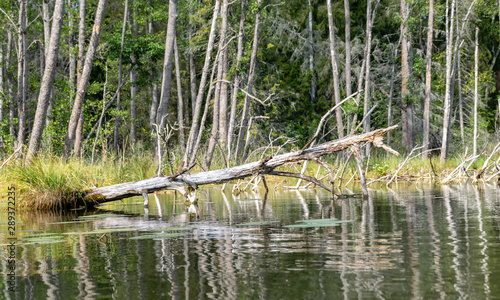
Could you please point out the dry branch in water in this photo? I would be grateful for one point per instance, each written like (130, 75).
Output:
(267, 165)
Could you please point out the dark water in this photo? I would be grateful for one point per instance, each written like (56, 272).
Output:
(419, 242)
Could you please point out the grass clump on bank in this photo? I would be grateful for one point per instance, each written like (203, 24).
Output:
(51, 183)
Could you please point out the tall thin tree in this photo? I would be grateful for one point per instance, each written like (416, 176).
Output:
(84, 79)
(161, 115)
(217, 98)
(450, 17)
(116, 132)
(347, 12)
(22, 71)
(237, 77)
(428, 80)
(79, 66)
(336, 81)
(407, 111)
(47, 80)
(193, 132)
(476, 92)
(251, 74)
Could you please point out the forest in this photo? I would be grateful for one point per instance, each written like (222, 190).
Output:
(217, 82)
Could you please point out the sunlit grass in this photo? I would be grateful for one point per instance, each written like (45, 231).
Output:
(50, 182)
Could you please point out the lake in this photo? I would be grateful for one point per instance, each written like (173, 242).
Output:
(418, 241)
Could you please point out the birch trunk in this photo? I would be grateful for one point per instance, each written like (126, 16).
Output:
(72, 58)
(133, 80)
(217, 97)
(476, 93)
(333, 57)
(428, 80)
(460, 103)
(22, 72)
(154, 87)
(81, 60)
(310, 41)
(347, 12)
(116, 131)
(180, 102)
(447, 97)
(389, 112)
(224, 95)
(234, 96)
(369, 24)
(193, 132)
(47, 80)
(407, 112)
(246, 105)
(192, 63)
(10, 81)
(84, 79)
(161, 115)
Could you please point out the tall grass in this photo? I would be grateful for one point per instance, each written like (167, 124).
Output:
(50, 182)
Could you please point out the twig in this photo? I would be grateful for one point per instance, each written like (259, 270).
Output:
(303, 177)
(364, 118)
(323, 120)
(408, 158)
(12, 155)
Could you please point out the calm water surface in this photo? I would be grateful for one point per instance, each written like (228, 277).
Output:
(417, 242)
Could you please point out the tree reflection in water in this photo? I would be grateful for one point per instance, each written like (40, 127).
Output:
(418, 242)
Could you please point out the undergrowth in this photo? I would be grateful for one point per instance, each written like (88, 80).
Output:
(51, 182)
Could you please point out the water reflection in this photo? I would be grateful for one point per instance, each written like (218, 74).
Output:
(426, 242)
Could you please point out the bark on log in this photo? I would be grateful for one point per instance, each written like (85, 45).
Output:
(182, 181)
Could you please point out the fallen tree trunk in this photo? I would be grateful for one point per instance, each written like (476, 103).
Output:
(182, 182)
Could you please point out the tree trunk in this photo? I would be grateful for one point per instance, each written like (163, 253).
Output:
(224, 95)
(182, 182)
(347, 12)
(234, 96)
(199, 97)
(310, 41)
(133, 80)
(333, 57)
(205, 114)
(407, 112)
(192, 64)
(476, 93)
(161, 115)
(116, 132)
(460, 103)
(72, 58)
(46, 25)
(81, 60)
(389, 110)
(76, 113)
(447, 97)
(180, 101)
(428, 80)
(10, 81)
(154, 87)
(369, 24)
(251, 73)
(22, 72)
(220, 73)
(47, 80)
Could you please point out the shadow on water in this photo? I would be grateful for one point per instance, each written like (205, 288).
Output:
(420, 242)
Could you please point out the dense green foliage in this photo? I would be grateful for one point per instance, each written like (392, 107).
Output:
(283, 74)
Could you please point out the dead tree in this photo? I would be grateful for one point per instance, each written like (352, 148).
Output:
(183, 182)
